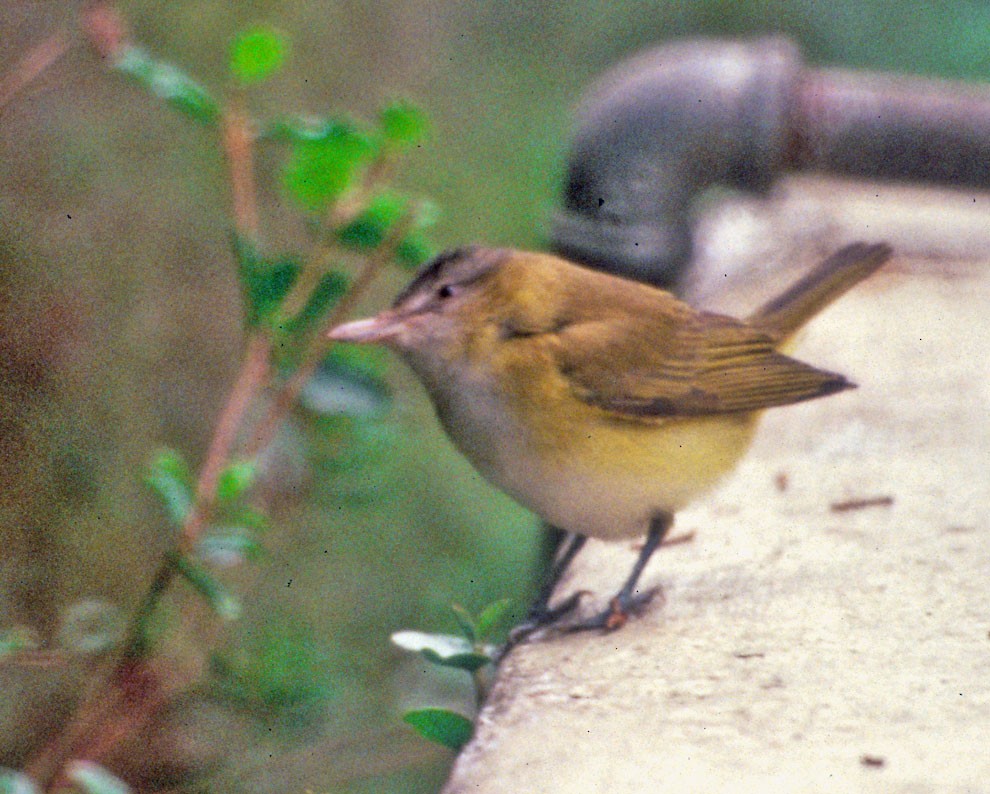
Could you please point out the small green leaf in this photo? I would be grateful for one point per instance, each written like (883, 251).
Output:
(372, 225)
(446, 650)
(296, 129)
(247, 517)
(235, 480)
(403, 124)
(363, 360)
(208, 586)
(13, 782)
(169, 477)
(468, 662)
(465, 621)
(321, 170)
(95, 779)
(331, 288)
(226, 547)
(414, 251)
(136, 62)
(170, 83)
(256, 54)
(342, 387)
(442, 726)
(491, 616)
(264, 282)
(441, 644)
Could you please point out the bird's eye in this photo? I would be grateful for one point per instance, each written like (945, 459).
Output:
(446, 291)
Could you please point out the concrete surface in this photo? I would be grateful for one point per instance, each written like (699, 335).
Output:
(801, 648)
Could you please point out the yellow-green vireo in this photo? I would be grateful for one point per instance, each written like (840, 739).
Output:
(601, 404)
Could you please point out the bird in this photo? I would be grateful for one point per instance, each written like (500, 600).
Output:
(601, 404)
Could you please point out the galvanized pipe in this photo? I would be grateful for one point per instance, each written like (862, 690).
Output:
(658, 130)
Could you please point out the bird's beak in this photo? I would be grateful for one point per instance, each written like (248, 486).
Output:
(382, 328)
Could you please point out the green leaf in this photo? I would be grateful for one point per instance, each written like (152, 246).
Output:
(403, 124)
(170, 478)
(371, 226)
(95, 779)
(465, 621)
(170, 83)
(136, 62)
(362, 360)
(331, 288)
(296, 129)
(225, 547)
(256, 54)
(322, 169)
(264, 282)
(235, 480)
(446, 650)
(217, 596)
(491, 616)
(442, 726)
(440, 644)
(13, 782)
(468, 662)
(414, 251)
(246, 516)
(347, 386)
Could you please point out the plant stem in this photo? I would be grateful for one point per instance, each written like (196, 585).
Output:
(33, 65)
(287, 395)
(45, 766)
(238, 144)
(96, 705)
(252, 377)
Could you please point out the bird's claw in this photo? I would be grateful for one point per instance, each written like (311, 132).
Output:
(616, 615)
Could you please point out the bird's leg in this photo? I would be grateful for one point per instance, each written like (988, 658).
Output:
(628, 600)
(541, 614)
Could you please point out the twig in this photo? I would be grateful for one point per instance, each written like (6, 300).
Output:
(96, 703)
(340, 213)
(253, 374)
(677, 540)
(97, 706)
(105, 29)
(238, 144)
(33, 65)
(859, 504)
(95, 710)
(286, 396)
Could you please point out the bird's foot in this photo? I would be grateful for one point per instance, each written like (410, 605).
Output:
(540, 617)
(616, 615)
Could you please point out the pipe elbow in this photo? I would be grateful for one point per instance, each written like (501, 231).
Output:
(658, 130)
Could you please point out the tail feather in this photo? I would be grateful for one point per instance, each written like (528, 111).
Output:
(784, 315)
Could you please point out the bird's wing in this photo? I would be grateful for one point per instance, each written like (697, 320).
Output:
(705, 364)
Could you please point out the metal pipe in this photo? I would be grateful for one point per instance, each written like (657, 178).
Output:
(655, 132)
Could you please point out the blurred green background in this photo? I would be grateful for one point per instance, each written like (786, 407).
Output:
(120, 329)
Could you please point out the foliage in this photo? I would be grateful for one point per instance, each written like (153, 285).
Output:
(256, 54)
(337, 171)
(470, 651)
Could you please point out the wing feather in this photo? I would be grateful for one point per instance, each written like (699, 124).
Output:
(704, 364)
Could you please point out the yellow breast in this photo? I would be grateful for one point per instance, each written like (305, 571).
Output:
(575, 465)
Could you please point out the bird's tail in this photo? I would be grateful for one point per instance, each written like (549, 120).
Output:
(784, 315)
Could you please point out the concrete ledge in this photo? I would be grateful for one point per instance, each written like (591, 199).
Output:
(801, 647)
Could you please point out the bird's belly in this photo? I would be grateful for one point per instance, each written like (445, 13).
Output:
(614, 490)
(610, 482)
